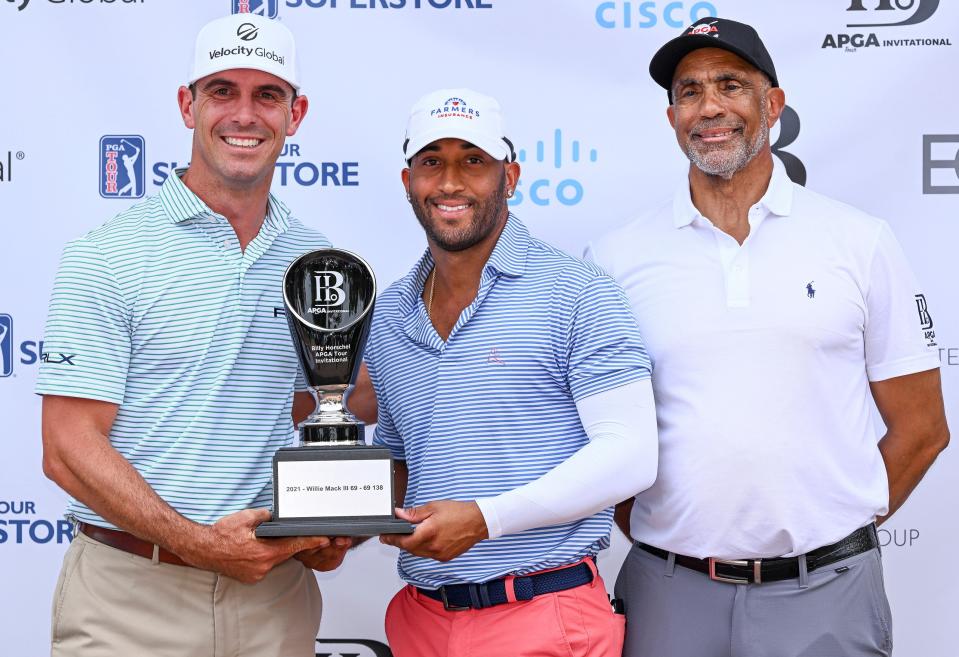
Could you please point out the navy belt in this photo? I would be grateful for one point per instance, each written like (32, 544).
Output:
(459, 597)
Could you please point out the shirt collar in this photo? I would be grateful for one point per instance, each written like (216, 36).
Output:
(777, 199)
(182, 204)
(508, 257)
(509, 254)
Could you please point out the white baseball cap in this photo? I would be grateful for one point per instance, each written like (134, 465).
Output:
(245, 41)
(461, 113)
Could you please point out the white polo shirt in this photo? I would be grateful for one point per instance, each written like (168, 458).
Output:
(762, 357)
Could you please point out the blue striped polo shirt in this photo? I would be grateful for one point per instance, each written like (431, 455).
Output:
(165, 316)
(493, 407)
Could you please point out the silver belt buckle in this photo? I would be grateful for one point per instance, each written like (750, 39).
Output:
(757, 570)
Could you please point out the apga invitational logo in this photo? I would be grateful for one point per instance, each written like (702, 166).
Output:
(885, 14)
(267, 8)
(122, 168)
(924, 9)
(925, 320)
(6, 345)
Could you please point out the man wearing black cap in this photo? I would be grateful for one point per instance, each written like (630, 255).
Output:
(775, 318)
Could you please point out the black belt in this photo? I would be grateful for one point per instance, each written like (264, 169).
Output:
(458, 597)
(756, 571)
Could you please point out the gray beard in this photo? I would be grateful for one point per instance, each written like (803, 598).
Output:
(734, 161)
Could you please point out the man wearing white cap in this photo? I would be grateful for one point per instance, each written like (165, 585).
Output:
(775, 318)
(182, 386)
(514, 393)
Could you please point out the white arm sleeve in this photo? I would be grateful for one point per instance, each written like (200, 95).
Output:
(618, 461)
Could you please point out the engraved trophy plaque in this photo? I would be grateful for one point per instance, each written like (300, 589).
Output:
(333, 483)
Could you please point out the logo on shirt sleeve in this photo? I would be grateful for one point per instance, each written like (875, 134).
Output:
(925, 320)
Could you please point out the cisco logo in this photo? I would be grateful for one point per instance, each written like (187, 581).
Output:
(557, 185)
(628, 14)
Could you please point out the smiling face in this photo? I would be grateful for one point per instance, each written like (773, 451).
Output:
(458, 192)
(722, 111)
(240, 120)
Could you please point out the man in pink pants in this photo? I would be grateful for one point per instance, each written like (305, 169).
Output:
(514, 392)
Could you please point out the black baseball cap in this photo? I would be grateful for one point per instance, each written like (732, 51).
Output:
(711, 32)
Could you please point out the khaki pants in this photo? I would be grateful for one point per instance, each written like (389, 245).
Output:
(109, 603)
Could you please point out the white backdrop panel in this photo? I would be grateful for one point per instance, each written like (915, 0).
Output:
(566, 72)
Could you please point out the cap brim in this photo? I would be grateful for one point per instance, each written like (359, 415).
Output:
(664, 62)
(496, 148)
(275, 72)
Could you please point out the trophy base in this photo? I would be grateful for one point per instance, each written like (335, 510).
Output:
(333, 527)
(335, 490)
(331, 435)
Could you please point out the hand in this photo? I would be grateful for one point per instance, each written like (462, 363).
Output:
(230, 547)
(326, 558)
(444, 529)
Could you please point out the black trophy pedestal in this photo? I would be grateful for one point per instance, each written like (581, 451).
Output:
(333, 491)
(334, 527)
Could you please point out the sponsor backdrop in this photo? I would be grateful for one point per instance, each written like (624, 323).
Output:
(92, 125)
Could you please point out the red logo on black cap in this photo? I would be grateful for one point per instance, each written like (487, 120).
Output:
(706, 29)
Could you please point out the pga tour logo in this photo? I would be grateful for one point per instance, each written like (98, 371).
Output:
(706, 29)
(6, 345)
(266, 8)
(122, 168)
(329, 288)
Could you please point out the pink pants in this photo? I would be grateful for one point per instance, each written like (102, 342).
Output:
(577, 622)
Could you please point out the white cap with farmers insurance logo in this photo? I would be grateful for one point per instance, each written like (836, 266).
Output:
(245, 41)
(457, 113)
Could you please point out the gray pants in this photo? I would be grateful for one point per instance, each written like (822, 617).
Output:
(836, 611)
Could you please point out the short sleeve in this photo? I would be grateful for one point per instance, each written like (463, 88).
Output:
(87, 338)
(604, 348)
(385, 433)
(900, 331)
(299, 383)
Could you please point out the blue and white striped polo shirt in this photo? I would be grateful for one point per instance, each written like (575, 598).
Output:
(493, 407)
(167, 317)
